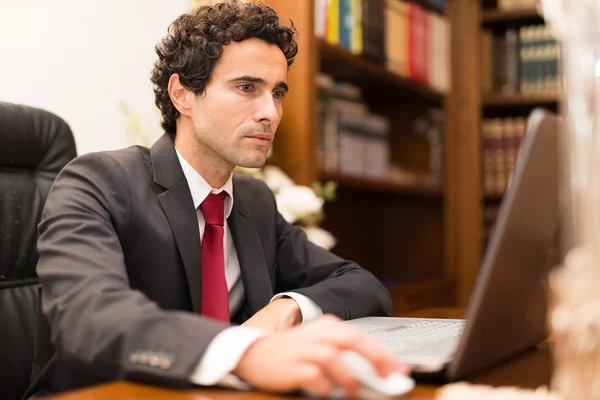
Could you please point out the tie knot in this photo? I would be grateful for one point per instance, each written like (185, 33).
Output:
(213, 209)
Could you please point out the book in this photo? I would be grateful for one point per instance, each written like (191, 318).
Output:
(500, 140)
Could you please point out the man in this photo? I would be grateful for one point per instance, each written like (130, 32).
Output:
(157, 265)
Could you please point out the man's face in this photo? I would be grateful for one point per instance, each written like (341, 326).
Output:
(237, 116)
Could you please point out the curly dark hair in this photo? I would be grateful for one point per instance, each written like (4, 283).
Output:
(194, 43)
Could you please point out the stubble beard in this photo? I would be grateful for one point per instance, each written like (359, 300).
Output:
(250, 159)
(228, 157)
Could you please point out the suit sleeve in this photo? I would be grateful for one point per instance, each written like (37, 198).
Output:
(336, 285)
(98, 323)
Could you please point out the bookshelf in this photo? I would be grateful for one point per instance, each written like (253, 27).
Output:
(422, 241)
(371, 77)
(520, 100)
(427, 240)
(526, 55)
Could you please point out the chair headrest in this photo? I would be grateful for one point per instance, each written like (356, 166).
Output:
(34, 146)
(34, 139)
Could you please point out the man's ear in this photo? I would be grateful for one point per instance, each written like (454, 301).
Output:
(179, 95)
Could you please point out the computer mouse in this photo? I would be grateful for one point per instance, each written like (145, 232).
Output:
(372, 386)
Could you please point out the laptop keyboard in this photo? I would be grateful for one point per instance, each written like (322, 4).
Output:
(419, 334)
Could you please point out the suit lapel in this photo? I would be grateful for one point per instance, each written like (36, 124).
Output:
(255, 275)
(178, 207)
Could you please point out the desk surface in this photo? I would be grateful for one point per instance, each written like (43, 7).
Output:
(530, 370)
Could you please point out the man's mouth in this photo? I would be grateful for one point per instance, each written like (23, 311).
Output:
(265, 137)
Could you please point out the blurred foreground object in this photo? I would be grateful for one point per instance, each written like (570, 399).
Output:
(574, 315)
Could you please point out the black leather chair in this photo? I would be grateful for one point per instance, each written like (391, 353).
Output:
(34, 146)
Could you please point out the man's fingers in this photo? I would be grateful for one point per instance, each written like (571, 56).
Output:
(311, 378)
(382, 359)
(327, 357)
(342, 377)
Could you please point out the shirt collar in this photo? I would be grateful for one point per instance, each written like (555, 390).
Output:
(200, 189)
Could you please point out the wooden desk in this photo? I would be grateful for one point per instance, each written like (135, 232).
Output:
(530, 370)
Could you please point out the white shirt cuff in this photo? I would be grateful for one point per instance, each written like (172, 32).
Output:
(223, 355)
(308, 308)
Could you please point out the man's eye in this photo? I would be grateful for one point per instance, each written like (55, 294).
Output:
(245, 88)
(279, 94)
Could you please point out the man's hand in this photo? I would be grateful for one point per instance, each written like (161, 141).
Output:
(279, 314)
(308, 357)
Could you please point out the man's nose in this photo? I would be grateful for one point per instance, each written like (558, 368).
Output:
(267, 110)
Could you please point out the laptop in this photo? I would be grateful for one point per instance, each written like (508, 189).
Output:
(506, 313)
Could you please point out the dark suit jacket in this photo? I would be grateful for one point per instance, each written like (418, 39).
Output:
(120, 270)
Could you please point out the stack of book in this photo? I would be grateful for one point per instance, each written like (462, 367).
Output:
(352, 140)
(417, 44)
(402, 36)
(523, 60)
(501, 140)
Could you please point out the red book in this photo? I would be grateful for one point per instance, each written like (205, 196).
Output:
(426, 42)
(414, 42)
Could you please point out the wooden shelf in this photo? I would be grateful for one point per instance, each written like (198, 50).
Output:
(358, 182)
(519, 100)
(373, 79)
(500, 16)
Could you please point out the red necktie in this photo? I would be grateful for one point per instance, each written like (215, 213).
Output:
(215, 297)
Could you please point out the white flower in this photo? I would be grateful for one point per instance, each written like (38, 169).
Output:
(275, 178)
(296, 202)
(320, 237)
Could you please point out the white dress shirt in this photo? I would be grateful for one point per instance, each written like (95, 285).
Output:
(226, 349)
